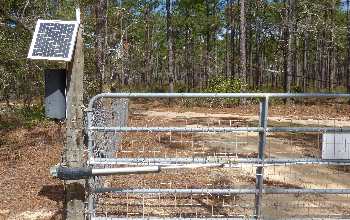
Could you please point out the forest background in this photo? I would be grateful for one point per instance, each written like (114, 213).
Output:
(185, 46)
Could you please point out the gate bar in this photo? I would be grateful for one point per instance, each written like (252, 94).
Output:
(222, 191)
(220, 129)
(208, 160)
(217, 95)
(344, 217)
(263, 129)
(159, 218)
(264, 105)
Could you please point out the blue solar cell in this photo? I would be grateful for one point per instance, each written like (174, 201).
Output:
(53, 40)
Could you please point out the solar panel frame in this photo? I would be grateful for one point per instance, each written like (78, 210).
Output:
(71, 43)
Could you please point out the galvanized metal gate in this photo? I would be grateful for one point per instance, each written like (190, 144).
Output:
(204, 165)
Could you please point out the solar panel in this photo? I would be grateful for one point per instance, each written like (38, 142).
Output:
(53, 40)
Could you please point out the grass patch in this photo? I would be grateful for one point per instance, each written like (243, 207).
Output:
(19, 116)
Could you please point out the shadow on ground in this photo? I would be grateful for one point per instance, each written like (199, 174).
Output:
(55, 193)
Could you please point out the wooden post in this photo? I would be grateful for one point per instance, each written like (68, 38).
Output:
(73, 149)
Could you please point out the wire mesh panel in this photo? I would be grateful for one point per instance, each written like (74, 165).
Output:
(108, 113)
(311, 171)
(213, 162)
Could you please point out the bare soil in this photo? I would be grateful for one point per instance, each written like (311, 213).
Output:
(26, 189)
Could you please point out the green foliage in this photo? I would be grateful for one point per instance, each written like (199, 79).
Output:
(297, 89)
(181, 88)
(32, 114)
(155, 88)
(22, 117)
(220, 84)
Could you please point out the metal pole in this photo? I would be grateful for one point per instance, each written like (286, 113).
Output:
(214, 160)
(217, 95)
(176, 129)
(90, 182)
(160, 218)
(125, 170)
(219, 129)
(260, 169)
(228, 191)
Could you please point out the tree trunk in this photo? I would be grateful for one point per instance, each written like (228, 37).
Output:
(207, 43)
(188, 54)
(101, 41)
(305, 62)
(258, 54)
(286, 82)
(170, 47)
(147, 70)
(232, 41)
(243, 60)
(323, 61)
(227, 53)
(290, 36)
(332, 51)
(348, 50)
(250, 52)
(296, 63)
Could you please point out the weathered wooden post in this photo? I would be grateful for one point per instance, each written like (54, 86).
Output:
(73, 149)
(62, 41)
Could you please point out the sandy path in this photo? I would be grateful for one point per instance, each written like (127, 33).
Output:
(307, 176)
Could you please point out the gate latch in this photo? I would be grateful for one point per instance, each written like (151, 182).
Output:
(76, 173)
